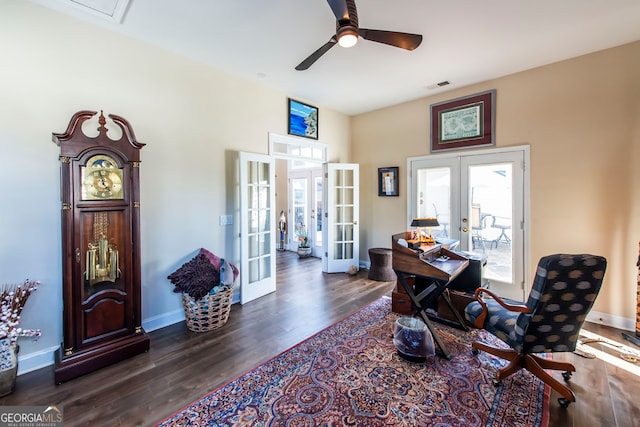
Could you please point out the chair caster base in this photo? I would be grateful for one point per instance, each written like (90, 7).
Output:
(564, 402)
(496, 382)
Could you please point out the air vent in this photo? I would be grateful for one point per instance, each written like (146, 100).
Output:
(437, 85)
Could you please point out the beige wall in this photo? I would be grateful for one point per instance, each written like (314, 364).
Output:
(581, 118)
(192, 118)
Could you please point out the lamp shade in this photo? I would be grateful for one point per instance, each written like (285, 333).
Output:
(425, 222)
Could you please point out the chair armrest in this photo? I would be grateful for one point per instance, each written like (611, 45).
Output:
(479, 323)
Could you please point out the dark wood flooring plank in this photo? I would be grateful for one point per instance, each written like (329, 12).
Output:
(182, 366)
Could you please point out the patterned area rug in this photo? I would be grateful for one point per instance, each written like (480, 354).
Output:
(351, 375)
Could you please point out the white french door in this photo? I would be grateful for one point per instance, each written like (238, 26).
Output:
(258, 231)
(478, 199)
(306, 208)
(340, 221)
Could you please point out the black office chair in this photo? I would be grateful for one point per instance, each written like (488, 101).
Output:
(563, 292)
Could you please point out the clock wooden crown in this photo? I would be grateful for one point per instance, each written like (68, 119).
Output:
(101, 263)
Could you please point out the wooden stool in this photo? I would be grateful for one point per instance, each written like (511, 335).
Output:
(381, 267)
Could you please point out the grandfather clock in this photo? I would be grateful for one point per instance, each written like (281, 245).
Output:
(100, 247)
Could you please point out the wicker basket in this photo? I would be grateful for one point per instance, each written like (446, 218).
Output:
(210, 312)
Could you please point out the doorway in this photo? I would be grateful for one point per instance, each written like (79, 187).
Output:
(306, 208)
(479, 199)
(323, 198)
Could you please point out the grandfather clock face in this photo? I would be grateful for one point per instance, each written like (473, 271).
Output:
(101, 179)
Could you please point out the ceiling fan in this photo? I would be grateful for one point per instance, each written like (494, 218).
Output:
(347, 33)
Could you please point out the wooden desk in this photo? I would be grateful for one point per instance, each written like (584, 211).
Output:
(437, 265)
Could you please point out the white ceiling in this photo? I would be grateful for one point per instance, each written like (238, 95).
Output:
(464, 41)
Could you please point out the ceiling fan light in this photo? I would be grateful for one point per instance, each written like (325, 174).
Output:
(347, 37)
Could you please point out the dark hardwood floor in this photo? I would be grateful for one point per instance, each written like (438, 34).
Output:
(182, 366)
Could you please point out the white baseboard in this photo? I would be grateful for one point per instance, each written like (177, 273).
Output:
(618, 322)
(44, 358)
(36, 360)
(163, 320)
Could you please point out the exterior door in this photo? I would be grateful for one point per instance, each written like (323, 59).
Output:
(306, 207)
(479, 200)
(492, 189)
(258, 231)
(340, 221)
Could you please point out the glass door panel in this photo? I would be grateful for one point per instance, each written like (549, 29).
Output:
(316, 214)
(434, 198)
(491, 220)
(299, 200)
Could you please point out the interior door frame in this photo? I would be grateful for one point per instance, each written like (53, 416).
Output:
(294, 148)
(445, 159)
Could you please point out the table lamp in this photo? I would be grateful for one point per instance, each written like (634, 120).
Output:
(420, 223)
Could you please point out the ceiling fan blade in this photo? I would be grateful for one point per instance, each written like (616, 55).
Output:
(340, 10)
(308, 62)
(393, 38)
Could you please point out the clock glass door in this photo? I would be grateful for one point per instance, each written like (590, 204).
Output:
(105, 269)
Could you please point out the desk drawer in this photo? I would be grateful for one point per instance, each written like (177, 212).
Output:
(400, 303)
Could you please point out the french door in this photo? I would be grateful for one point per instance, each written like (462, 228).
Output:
(306, 207)
(478, 199)
(257, 226)
(341, 219)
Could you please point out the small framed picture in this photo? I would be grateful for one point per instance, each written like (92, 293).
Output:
(303, 119)
(388, 181)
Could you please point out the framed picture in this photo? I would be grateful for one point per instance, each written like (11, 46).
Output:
(464, 122)
(388, 181)
(303, 119)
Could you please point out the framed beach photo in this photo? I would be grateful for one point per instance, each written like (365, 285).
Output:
(388, 181)
(303, 119)
(464, 122)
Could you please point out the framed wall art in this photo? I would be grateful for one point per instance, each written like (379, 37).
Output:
(388, 181)
(303, 119)
(464, 122)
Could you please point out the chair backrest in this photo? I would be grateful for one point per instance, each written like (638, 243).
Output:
(564, 290)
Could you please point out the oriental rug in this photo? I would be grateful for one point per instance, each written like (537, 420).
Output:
(350, 374)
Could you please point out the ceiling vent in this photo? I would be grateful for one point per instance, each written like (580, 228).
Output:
(437, 85)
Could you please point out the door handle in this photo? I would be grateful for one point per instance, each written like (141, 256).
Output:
(355, 222)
